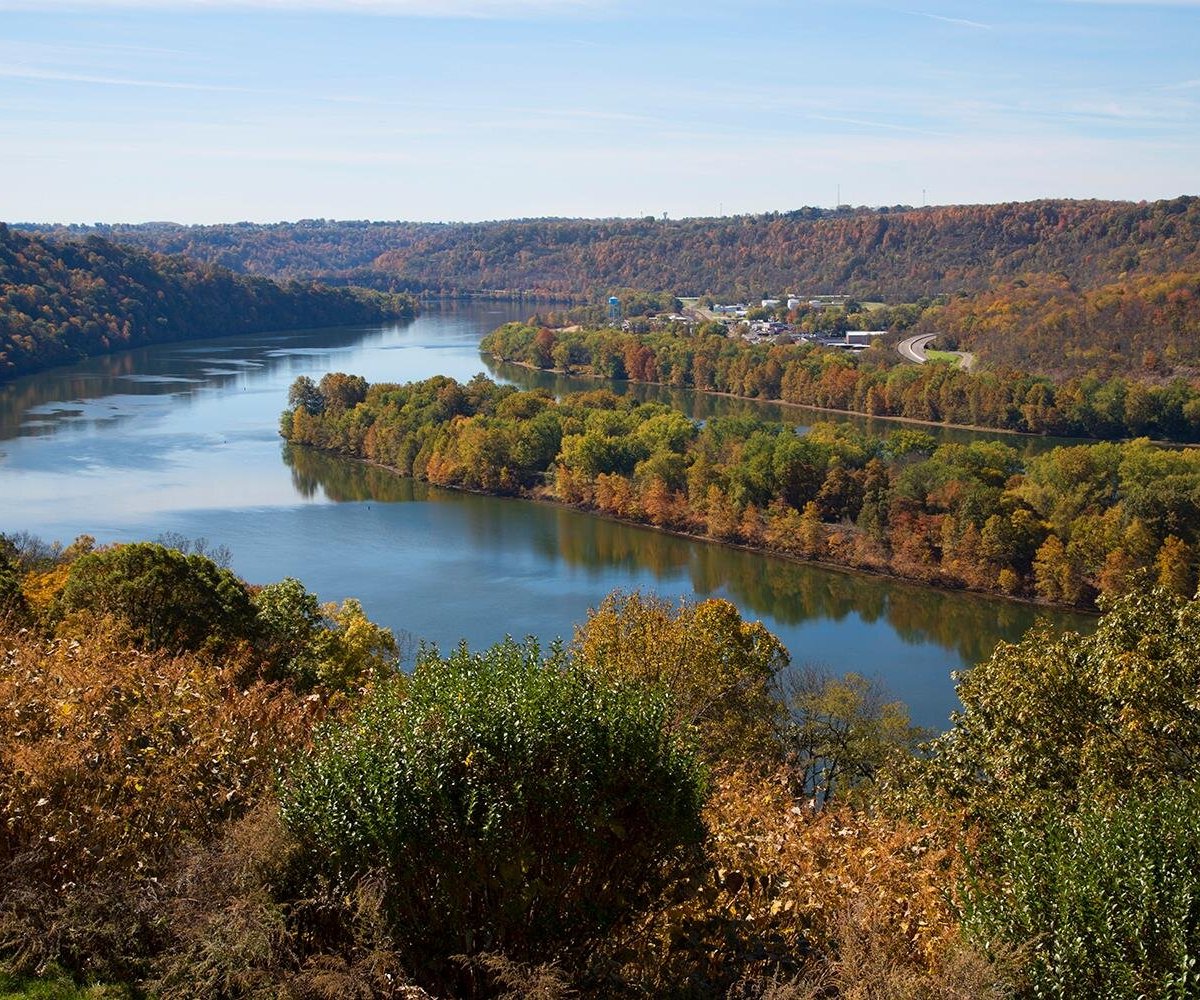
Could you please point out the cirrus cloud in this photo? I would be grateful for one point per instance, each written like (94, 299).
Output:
(392, 8)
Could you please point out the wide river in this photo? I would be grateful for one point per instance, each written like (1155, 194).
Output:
(182, 439)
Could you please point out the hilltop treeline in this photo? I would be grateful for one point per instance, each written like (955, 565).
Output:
(1063, 526)
(209, 789)
(897, 254)
(64, 301)
(1145, 327)
(875, 382)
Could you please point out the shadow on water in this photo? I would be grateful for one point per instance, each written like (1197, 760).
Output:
(785, 592)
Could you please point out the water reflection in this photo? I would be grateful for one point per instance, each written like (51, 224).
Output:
(110, 390)
(704, 405)
(785, 592)
(183, 438)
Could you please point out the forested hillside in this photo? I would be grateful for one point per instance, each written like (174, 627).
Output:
(893, 254)
(1145, 327)
(63, 301)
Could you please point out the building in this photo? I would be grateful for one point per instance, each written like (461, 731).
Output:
(862, 338)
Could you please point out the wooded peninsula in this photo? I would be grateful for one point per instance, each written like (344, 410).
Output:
(1062, 527)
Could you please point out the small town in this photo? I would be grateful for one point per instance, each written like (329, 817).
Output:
(763, 324)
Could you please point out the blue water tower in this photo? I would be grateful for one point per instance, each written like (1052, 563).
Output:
(614, 310)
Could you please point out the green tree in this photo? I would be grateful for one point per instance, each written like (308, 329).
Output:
(305, 394)
(511, 802)
(843, 731)
(1102, 902)
(164, 599)
(1052, 718)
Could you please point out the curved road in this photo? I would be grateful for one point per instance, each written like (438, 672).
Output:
(913, 349)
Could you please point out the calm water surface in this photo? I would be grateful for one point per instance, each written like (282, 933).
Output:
(182, 438)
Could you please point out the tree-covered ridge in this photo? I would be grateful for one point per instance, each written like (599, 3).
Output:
(64, 301)
(897, 254)
(876, 382)
(1063, 526)
(1145, 327)
(664, 807)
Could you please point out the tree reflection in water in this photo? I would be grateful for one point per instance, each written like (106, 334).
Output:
(790, 593)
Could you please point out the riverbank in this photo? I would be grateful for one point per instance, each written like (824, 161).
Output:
(62, 303)
(974, 428)
(871, 384)
(879, 572)
(969, 428)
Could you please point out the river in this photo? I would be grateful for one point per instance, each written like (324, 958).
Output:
(183, 439)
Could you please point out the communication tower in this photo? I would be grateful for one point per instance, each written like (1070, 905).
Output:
(614, 310)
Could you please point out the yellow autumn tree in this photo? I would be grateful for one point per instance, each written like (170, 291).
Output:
(719, 669)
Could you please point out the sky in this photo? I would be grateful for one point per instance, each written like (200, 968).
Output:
(204, 111)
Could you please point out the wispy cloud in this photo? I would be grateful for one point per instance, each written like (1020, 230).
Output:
(1138, 3)
(393, 8)
(53, 75)
(867, 123)
(962, 22)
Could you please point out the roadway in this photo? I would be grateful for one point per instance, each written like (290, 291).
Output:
(913, 349)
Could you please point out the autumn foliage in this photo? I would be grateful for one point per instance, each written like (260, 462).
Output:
(264, 818)
(897, 253)
(1063, 526)
(1126, 379)
(62, 302)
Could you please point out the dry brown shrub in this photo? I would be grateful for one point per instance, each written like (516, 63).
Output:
(225, 933)
(237, 926)
(835, 903)
(505, 979)
(110, 761)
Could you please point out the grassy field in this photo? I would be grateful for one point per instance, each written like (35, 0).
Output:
(948, 356)
(55, 986)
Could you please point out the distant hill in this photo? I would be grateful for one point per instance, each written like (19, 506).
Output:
(61, 301)
(894, 254)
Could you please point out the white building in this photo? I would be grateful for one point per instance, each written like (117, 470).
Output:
(862, 338)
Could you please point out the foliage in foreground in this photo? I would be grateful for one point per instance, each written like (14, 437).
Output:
(1055, 721)
(228, 821)
(1109, 896)
(54, 984)
(720, 671)
(508, 801)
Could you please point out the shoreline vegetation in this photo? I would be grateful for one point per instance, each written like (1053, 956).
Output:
(61, 303)
(913, 421)
(1063, 528)
(211, 788)
(729, 543)
(874, 383)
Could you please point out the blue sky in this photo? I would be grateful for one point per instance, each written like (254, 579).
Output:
(227, 110)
